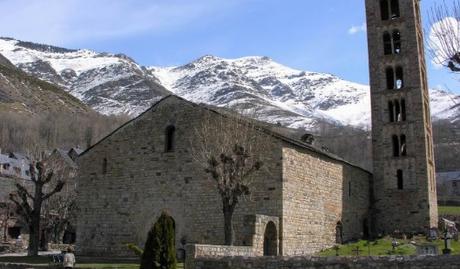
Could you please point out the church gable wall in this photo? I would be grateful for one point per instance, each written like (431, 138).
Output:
(127, 179)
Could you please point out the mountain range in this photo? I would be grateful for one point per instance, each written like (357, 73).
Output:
(116, 84)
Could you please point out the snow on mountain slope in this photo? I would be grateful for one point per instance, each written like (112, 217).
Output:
(262, 84)
(113, 84)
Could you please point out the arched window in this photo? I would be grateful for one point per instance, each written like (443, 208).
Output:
(402, 143)
(395, 141)
(396, 42)
(397, 111)
(394, 9)
(170, 138)
(403, 109)
(384, 10)
(390, 78)
(392, 42)
(400, 179)
(391, 111)
(399, 78)
(104, 166)
(387, 44)
(389, 7)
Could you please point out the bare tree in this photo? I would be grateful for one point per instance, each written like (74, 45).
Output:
(6, 211)
(230, 150)
(444, 34)
(44, 178)
(59, 212)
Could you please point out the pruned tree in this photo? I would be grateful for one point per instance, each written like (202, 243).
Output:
(444, 34)
(47, 181)
(230, 149)
(6, 212)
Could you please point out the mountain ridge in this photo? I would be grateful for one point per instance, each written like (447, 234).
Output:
(116, 84)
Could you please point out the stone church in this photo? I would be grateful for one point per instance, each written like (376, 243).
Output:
(305, 200)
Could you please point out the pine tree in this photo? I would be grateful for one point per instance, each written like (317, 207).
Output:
(160, 249)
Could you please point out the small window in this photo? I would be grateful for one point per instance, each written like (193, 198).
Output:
(400, 179)
(349, 188)
(403, 149)
(391, 112)
(104, 166)
(384, 10)
(396, 42)
(170, 138)
(390, 78)
(398, 117)
(399, 78)
(403, 109)
(394, 9)
(387, 43)
(396, 148)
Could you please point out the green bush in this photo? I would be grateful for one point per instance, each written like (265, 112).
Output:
(160, 249)
(137, 250)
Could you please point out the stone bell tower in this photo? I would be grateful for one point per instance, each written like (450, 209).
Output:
(404, 171)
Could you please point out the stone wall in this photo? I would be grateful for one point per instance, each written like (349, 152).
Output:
(7, 185)
(142, 180)
(318, 193)
(393, 262)
(126, 180)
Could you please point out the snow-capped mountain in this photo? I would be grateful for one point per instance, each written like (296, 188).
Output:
(111, 84)
(292, 97)
(114, 84)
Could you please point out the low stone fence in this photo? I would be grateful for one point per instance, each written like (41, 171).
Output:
(5, 265)
(194, 252)
(391, 262)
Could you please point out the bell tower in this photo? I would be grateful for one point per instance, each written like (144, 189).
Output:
(404, 171)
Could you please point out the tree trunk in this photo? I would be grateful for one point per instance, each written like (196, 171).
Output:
(228, 223)
(34, 227)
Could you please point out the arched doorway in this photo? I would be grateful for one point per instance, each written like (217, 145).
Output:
(270, 240)
(339, 233)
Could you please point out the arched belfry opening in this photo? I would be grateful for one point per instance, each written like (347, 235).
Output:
(270, 240)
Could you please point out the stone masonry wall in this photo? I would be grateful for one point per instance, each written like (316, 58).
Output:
(319, 192)
(412, 208)
(421, 262)
(142, 180)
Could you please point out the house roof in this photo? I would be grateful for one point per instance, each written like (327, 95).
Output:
(64, 154)
(448, 176)
(19, 163)
(265, 127)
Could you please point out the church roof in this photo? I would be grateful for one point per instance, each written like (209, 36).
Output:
(279, 133)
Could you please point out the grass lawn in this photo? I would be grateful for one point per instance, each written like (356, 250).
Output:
(382, 247)
(87, 264)
(449, 210)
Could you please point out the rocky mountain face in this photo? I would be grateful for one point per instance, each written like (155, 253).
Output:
(115, 84)
(110, 84)
(25, 94)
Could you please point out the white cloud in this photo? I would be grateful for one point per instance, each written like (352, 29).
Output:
(65, 22)
(444, 40)
(357, 29)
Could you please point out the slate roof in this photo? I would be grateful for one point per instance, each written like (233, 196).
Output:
(266, 127)
(448, 176)
(18, 161)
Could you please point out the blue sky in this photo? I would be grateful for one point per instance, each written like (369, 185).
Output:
(304, 34)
